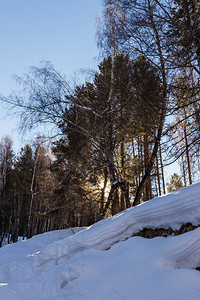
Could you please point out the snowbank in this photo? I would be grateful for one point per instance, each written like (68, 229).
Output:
(171, 210)
(138, 268)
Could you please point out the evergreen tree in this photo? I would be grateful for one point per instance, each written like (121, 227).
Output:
(6, 188)
(23, 169)
(147, 108)
(175, 183)
(185, 33)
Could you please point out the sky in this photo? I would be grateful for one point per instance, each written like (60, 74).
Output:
(62, 32)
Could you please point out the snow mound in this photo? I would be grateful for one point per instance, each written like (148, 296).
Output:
(138, 268)
(35, 244)
(171, 210)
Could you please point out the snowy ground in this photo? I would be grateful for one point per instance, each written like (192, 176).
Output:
(103, 262)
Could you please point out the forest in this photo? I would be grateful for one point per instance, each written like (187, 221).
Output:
(111, 137)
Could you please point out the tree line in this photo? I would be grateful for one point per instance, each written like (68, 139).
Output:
(115, 133)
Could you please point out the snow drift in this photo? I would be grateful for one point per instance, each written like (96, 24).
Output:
(171, 210)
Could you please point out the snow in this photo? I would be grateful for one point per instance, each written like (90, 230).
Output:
(103, 262)
(171, 210)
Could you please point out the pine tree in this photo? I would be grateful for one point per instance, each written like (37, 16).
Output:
(175, 183)
(6, 188)
(23, 169)
(185, 33)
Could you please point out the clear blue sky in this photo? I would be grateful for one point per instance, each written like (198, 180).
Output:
(59, 31)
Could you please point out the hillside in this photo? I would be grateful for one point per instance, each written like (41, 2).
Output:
(108, 261)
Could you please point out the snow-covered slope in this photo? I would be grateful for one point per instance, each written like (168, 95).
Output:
(74, 266)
